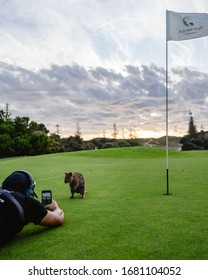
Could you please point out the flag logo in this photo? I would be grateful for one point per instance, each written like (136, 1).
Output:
(188, 21)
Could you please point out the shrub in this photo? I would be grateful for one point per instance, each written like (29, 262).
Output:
(108, 145)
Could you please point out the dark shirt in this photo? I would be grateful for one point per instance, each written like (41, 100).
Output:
(10, 222)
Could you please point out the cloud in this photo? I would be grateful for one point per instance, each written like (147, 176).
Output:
(100, 62)
(93, 33)
(98, 97)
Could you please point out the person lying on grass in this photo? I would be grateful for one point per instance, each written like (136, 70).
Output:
(18, 207)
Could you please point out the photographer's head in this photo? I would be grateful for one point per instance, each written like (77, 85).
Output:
(20, 181)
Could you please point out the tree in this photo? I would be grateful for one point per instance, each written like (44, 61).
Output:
(57, 145)
(7, 111)
(132, 133)
(193, 140)
(21, 125)
(22, 146)
(5, 114)
(20, 136)
(6, 143)
(73, 143)
(78, 130)
(6, 134)
(115, 131)
(42, 127)
(192, 132)
(57, 129)
(41, 143)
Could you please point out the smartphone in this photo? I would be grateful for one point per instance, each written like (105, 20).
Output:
(46, 197)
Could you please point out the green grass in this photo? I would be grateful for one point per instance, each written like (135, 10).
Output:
(125, 214)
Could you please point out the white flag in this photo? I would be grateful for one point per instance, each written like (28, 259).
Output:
(185, 26)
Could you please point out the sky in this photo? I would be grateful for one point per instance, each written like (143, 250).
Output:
(97, 63)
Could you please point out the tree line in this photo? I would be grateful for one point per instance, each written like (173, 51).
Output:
(20, 136)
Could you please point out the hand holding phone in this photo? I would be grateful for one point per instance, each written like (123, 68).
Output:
(46, 197)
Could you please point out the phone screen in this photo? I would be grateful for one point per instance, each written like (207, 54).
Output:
(46, 197)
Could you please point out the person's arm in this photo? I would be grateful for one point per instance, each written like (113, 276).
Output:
(54, 216)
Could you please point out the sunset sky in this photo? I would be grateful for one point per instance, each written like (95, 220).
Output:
(100, 62)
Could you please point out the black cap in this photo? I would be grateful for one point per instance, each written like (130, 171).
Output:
(20, 181)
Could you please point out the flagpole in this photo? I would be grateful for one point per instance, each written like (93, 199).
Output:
(181, 26)
(167, 175)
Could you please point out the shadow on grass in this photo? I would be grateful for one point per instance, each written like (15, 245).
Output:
(27, 235)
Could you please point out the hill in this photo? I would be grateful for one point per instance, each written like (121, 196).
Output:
(173, 142)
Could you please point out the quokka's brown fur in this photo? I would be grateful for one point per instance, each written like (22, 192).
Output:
(76, 182)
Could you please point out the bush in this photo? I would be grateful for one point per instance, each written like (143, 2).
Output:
(187, 146)
(108, 145)
(122, 143)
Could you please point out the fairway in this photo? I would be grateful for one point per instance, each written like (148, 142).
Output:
(125, 214)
